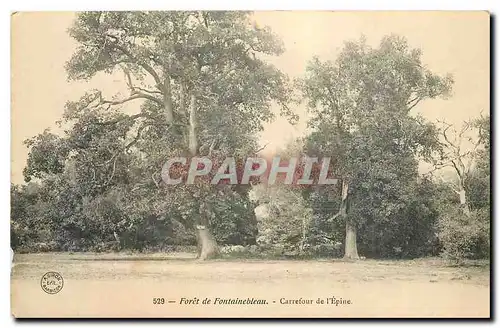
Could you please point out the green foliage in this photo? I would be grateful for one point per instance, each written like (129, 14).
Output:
(465, 237)
(464, 229)
(478, 186)
(233, 219)
(478, 182)
(47, 155)
(400, 226)
(286, 218)
(468, 236)
(101, 177)
(361, 107)
(31, 227)
(325, 229)
(98, 184)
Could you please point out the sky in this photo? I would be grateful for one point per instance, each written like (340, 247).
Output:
(451, 42)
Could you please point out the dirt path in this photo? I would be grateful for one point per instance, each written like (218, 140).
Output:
(117, 286)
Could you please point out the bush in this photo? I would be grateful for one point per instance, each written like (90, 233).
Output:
(327, 250)
(465, 237)
(279, 251)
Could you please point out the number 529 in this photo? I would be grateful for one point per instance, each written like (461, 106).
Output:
(159, 300)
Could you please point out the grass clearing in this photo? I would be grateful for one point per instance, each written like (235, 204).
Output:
(377, 288)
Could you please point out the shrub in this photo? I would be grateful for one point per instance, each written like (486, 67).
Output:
(465, 237)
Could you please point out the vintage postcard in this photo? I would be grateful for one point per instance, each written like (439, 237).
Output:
(229, 164)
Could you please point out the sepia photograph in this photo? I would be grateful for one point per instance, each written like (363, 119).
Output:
(250, 164)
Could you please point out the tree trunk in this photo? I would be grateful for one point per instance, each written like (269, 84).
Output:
(207, 245)
(118, 244)
(463, 202)
(193, 138)
(167, 101)
(303, 241)
(350, 247)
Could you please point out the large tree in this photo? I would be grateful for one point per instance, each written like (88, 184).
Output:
(464, 223)
(466, 152)
(198, 87)
(362, 116)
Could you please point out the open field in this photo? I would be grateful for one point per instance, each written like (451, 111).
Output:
(118, 285)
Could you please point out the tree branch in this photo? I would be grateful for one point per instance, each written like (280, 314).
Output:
(114, 158)
(126, 118)
(414, 104)
(144, 65)
(212, 146)
(154, 180)
(112, 173)
(138, 94)
(261, 148)
(147, 91)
